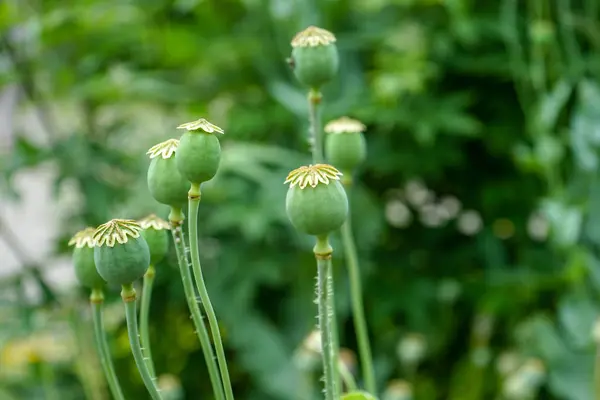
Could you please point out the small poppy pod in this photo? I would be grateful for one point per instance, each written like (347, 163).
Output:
(314, 57)
(316, 201)
(83, 259)
(121, 253)
(165, 183)
(360, 395)
(154, 231)
(345, 144)
(199, 151)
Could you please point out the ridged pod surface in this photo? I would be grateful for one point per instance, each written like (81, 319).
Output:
(83, 259)
(199, 152)
(155, 232)
(345, 145)
(315, 57)
(316, 202)
(121, 253)
(165, 183)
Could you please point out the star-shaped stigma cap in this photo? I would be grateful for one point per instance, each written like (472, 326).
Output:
(164, 149)
(201, 125)
(345, 125)
(154, 222)
(83, 238)
(312, 37)
(116, 231)
(312, 175)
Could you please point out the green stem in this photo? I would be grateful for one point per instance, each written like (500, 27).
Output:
(316, 138)
(597, 374)
(97, 301)
(194, 202)
(190, 296)
(358, 311)
(129, 296)
(323, 252)
(48, 380)
(347, 377)
(144, 317)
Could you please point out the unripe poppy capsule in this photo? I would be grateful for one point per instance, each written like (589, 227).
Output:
(358, 396)
(199, 151)
(121, 254)
(83, 259)
(316, 202)
(165, 182)
(345, 144)
(155, 233)
(314, 57)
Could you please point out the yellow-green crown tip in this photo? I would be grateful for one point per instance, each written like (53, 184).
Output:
(345, 125)
(83, 238)
(312, 37)
(312, 175)
(164, 149)
(154, 222)
(201, 124)
(116, 231)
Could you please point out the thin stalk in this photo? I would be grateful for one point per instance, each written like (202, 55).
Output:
(358, 311)
(48, 380)
(97, 302)
(193, 203)
(316, 138)
(176, 220)
(347, 377)
(597, 374)
(144, 317)
(323, 252)
(129, 296)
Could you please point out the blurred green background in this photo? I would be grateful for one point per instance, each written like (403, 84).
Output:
(476, 214)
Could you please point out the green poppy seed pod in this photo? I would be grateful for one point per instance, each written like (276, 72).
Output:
(165, 182)
(358, 396)
(314, 57)
(155, 233)
(121, 253)
(83, 259)
(199, 151)
(345, 144)
(316, 202)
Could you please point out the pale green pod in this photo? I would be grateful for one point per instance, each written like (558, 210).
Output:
(316, 202)
(199, 152)
(360, 395)
(155, 232)
(121, 253)
(165, 183)
(83, 259)
(345, 145)
(314, 57)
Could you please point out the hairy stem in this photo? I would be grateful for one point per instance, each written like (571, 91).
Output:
(129, 296)
(323, 252)
(144, 317)
(194, 202)
(358, 312)
(190, 296)
(97, 301)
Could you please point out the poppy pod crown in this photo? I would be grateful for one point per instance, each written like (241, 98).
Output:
(83, 259)
(154, 231)
(165, 183)
(316, 202)
(345, 144)
(314, 56)
(199, 152)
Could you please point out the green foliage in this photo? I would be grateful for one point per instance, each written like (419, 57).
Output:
(496, 104)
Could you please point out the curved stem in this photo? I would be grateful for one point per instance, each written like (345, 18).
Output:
(97, 301)
(360, 324)
(144, 317)
(194, 202)
(129, 296)
(347, 377)
(323, 252)
(190, 296)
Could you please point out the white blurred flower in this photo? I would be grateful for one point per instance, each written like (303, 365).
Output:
(451, 206)
(538, 227)
(507, 362)
(398, 390)
(398, 214)
(525, 381)
(430, 216)
(416, 193)
(170, 387)
(308, 355)
(469, 222)
(411, 349)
